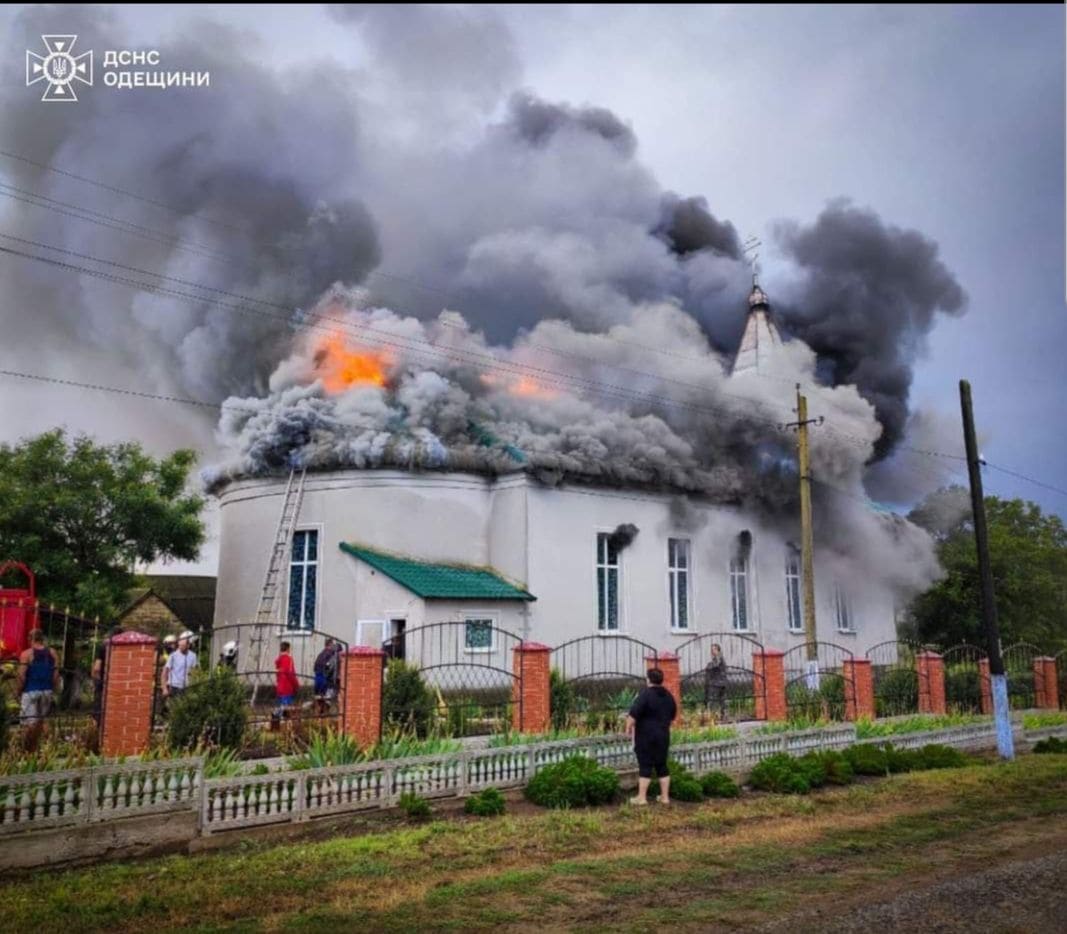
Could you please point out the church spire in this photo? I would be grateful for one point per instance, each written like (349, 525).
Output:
(761, 335)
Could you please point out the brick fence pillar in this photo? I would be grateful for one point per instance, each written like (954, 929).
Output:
(1046, 685)
(668, 663)
(531, 692)
(361, 701)
(985, 685)
(859, 698)
(768, 672)
(129, 687)
(930, 668)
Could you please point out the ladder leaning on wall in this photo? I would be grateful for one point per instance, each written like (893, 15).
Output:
(267, 613)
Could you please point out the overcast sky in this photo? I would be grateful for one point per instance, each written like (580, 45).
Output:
(949, 120)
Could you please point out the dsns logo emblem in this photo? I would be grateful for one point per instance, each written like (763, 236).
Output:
(60, 68)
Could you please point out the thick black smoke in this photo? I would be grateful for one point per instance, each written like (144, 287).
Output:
(869, 296)
(537, 121)
(689, 227)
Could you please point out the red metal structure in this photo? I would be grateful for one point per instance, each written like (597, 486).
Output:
(18, 611)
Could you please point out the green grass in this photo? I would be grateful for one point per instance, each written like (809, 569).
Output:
(870, 729)
(718, 864)
(1045, 718)
(795, 723)
(703, 734)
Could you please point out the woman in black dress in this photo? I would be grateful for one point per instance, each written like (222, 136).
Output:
(649, 722)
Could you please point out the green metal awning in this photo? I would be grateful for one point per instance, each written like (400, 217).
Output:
(439, 581)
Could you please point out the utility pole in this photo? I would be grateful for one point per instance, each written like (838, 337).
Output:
(1001, 714)
(807, 541)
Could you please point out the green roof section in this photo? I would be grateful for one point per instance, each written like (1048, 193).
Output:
(439, 581)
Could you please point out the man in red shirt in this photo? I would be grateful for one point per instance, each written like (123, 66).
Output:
(286, 683)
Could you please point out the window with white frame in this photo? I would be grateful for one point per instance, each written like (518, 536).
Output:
(607, 583)
(739, 592)
(478, 636)
(678, 581)
(792, 589)
(303, 579)
(844, 615)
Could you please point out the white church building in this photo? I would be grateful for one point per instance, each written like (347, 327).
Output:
(377, 552)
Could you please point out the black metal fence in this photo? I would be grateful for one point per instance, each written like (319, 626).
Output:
(963, 678)
(731, 695)
(451, 678)
(596, 679)
(817, 686)
(898, 678)
(1019, 668)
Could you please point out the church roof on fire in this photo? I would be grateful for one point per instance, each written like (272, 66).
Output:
(439, 581)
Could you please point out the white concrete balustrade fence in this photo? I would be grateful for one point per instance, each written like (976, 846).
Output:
(50, 799)
(99, 793)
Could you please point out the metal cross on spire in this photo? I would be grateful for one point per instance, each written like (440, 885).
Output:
(752, 245)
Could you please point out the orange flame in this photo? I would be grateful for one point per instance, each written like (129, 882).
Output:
(524, 387)
(341, 368)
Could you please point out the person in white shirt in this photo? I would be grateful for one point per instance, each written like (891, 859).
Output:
(179, 666)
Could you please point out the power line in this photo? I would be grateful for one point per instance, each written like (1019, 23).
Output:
(77, 212)
(1040, 483)
(388, 338)
(98, 387)
(48, 167)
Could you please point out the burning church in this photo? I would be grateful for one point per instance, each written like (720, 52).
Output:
(629, 482)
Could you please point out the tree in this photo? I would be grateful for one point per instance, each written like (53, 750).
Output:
(80, 514)
(1028, 551)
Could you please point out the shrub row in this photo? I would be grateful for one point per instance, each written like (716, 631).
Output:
(787, 774)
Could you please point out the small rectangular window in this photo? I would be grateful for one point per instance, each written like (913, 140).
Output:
(479, 635)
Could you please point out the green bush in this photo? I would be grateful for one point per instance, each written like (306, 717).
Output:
(897, 692)
(407, 703)
(213, 711)
(487, 803)
(561, 700)
(902, 760)
(1051, 745)
(575, 782)
(867, 759)
(782, 774)
(936, 756)
(719, 785)
(826, 768)
(812, 768)
(414, 806)
(685, 786)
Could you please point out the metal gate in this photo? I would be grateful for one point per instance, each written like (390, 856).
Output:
(312, 704)
(1019, 667)
(817, 688)
(71, 717)
(596, 680)
(963, 678)
(451, 679)
(743, 684)
(898, 681)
